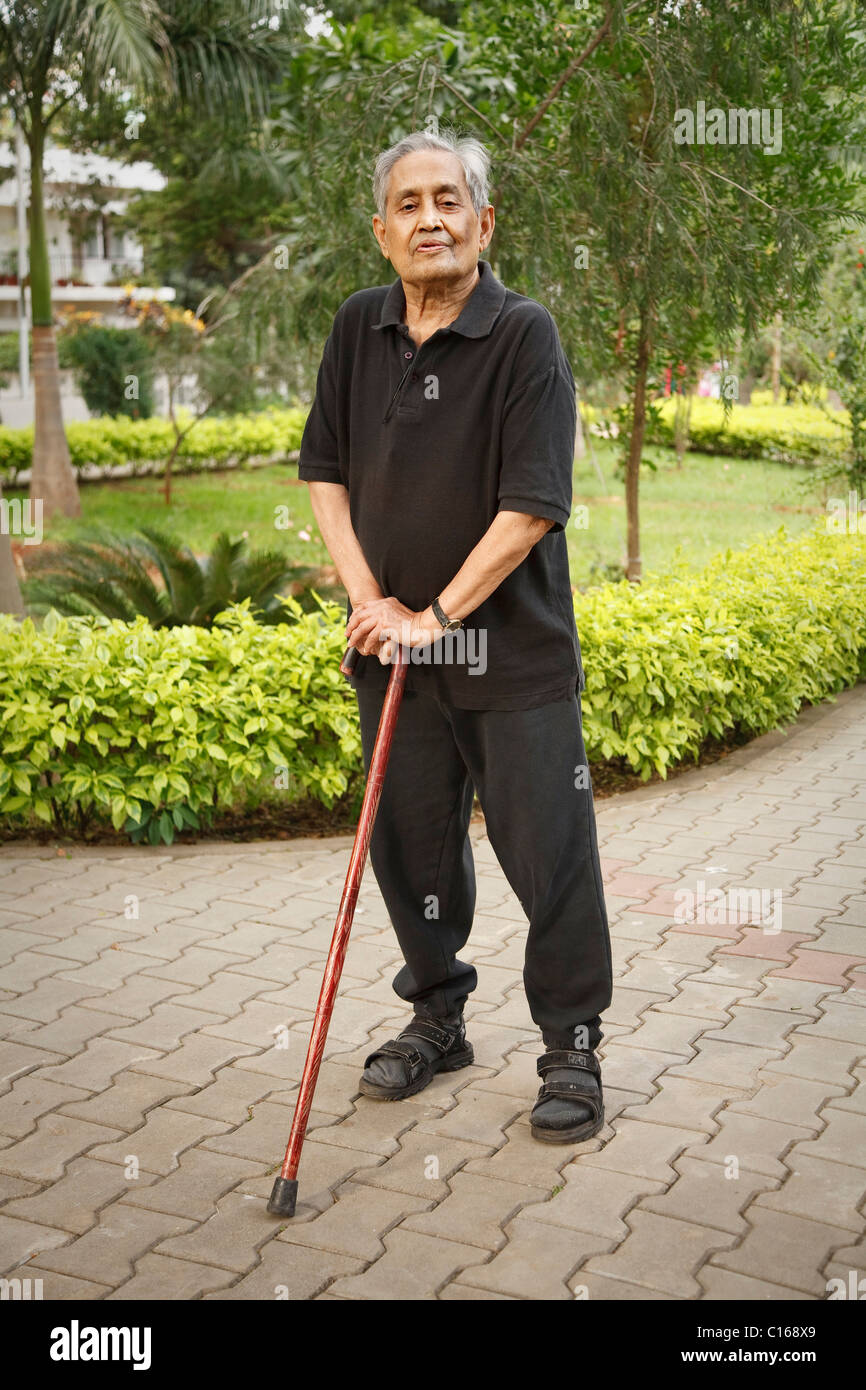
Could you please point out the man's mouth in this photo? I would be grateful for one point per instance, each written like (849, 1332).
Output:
(428, 246)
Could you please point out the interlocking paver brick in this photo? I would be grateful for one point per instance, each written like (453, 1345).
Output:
(684, 1104)
(18, 1058)
(594, 1200)
(826, 967)
(723, 1285)
(165, 1027)
(29, 1098)
(356, 1222)
(843, 1140)
(818, 1059)
(644, 1150)
(229, 1237)
(194, 967)
(790, 996)
(837, 1021)
(662, 1253)
(67, 1034)
(757, 1027)
(125, 1104)
(94, 1068)
(422, 1166)
(196, 1061)
(228, 1098)
(784, 1249)
(709, 1194)
(161, 1278)
(22, 974)
(476, 1210)
(757, 1144)
(260, 1023)
(163, 1137)
(138, 998)
(49, 999)
(73, 1204)
(366, 1128)
(821, 1191)
(727, 1063)
(289, 1273)
(108, 1251)
(414, 1266)
(789, 1099)
(537, 1257)
(479, 1116)
(44, 1154)
(20, 1240)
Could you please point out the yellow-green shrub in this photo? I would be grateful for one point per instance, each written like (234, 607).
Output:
(787, 433)
(110, 441)
(156, 730)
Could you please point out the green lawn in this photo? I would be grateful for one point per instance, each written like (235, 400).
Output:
(709, 505)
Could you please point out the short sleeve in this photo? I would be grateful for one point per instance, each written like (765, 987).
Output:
(319, 460)
(539, 424)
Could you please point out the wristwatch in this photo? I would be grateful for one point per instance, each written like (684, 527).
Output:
(448, 624)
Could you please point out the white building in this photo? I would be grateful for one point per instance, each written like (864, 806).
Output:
(90, 256)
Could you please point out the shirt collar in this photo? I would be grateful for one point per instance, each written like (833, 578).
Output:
(476, 318)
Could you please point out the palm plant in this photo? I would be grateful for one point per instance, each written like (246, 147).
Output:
(154, 575)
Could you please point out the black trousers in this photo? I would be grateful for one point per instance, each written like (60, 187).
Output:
(530, 771)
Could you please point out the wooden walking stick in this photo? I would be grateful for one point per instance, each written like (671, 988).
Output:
(285, 1190)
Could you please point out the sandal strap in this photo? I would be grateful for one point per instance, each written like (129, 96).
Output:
(399, 1047)
(584, 1060)
(443, 1038)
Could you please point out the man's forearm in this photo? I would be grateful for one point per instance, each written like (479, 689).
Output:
(504, 545)
(330, 503)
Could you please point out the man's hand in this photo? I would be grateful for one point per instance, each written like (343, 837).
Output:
(379, 626)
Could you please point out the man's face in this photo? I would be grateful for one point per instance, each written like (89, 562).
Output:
(431, 231)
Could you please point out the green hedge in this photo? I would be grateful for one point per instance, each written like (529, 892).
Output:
(741, 645)
(113, 440)
(788, 434)
(157, 730)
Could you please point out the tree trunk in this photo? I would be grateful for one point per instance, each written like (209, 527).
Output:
(10, 593)
(52, 477)
(635, 449)
(776, 367)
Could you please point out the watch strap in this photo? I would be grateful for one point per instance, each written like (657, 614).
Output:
(448, 624)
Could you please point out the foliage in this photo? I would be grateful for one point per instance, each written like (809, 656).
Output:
(741, 646)
(103, 719)
(154, 575)
(784, 433)
(113, 368)
(113, 441)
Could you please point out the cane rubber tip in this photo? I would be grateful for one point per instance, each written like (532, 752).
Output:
(283, 1197)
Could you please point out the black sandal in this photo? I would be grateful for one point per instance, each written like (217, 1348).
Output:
(585, 1087)
(455, 1052)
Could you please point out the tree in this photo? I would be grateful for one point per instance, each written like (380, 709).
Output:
(637, 240)
(54, 53)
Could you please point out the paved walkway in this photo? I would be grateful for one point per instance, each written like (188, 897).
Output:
(155, 1008)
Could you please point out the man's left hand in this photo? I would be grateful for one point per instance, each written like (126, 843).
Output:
(379, 626)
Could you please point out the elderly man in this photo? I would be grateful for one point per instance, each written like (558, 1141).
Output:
(439, 454)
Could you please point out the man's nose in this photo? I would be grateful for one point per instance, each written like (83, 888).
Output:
(430, 217)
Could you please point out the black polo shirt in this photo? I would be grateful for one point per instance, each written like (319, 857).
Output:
(431, 443)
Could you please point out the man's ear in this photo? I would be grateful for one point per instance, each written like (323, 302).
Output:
(379, 234)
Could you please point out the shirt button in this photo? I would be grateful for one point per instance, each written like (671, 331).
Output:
(414, 376)
(407, 355)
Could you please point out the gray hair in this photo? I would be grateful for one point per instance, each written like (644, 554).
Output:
(471, 153)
